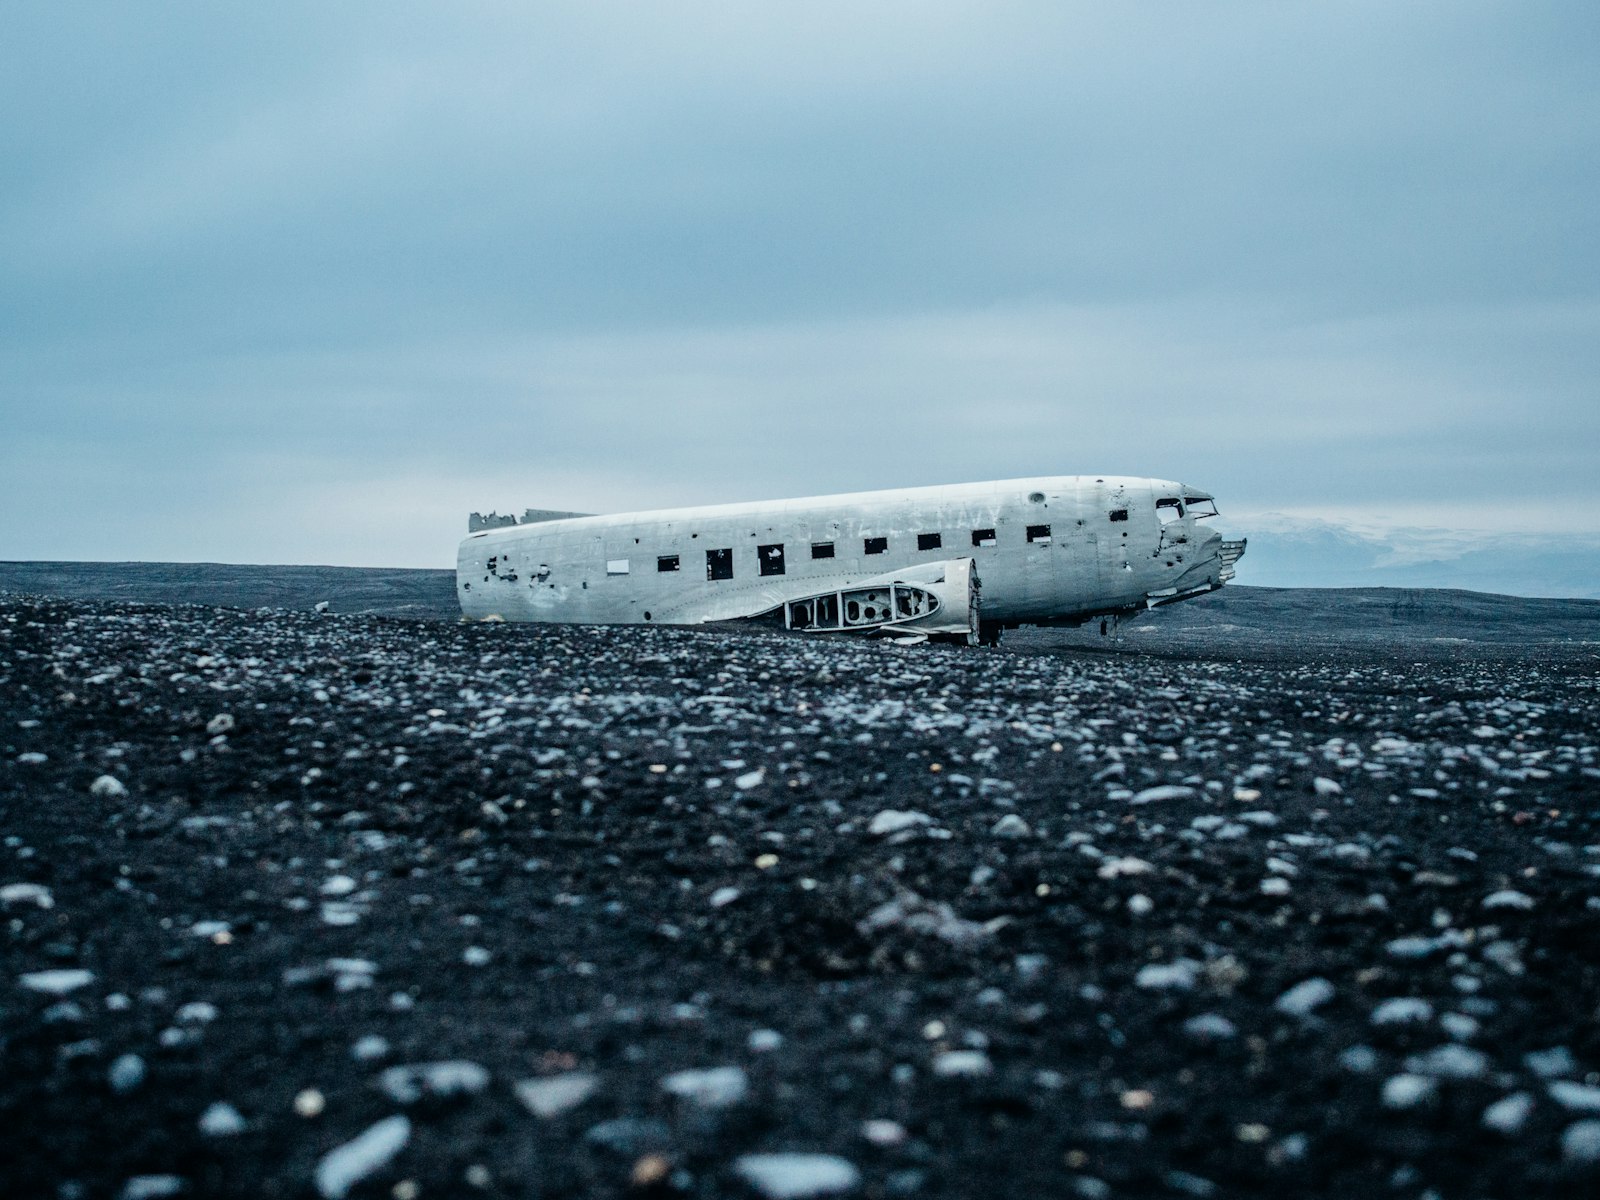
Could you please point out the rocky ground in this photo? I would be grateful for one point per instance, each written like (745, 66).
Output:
(304, 905)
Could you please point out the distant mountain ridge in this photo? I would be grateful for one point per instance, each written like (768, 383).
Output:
(1296, 552)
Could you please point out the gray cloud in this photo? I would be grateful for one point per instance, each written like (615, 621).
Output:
(338, 274)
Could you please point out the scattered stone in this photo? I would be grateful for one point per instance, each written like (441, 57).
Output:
(109, 787)
(341, 1169)
(1166, 792)
(436, 1080)
(794, 1176)
(26, 893)
(1552, 1063)
(1509, 1114)
(58, 982)
(712, 1087)
(221, 1120)
(894, 820)
(556, 1094)
(1449, 1062)
(962, 1064)
(724, 896)
(1508, 899)
(1304, 997)
(370, 1048)
(1576, 1097)
(761, 1041)
(1580, 1142)
(1210, 1027)
(1178, 975)
(1407, 1091)
(1011, 826)
(153, 1187)
(126, 1073)
(1402, 1010)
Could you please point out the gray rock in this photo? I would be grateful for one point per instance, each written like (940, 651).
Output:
(1551, 1063)
(1210, 1027)
(1450, 1062)
(1408, 1091)
(713, 1087)
(126, 1073)
(437, 1080)
(962, 1064)
(58, 982)
(1304, 997)
(1509, 1114)
(1577, 1097)
(556, 1094)
(893, 820)
(1402, 1010)
(344, 1167)
(1580, 1142)
(795, 1176)
(1178, 975)
(1011, 826)
(153, 1187)
(221, 1120)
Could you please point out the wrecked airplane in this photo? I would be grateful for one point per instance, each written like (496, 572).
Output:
(960, 562)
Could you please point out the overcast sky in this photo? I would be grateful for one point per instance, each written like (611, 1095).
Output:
(307, 283)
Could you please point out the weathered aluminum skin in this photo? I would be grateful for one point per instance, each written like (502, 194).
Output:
(604, 569)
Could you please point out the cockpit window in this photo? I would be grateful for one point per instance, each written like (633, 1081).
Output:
(1169, 509)
(1201, 509)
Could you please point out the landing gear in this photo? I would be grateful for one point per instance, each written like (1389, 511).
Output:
(989, 633)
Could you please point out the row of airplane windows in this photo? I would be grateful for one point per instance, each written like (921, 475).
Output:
(772, 559)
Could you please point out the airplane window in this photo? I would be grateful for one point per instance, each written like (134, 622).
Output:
(1039, 533)
(1168, 510)
(771, 559)
(1201, 509)
(983, 537)
(875, 545)
(929, 541)
(719, 564)
(616, 566)
(1119, 514)
(667, 562)
(821, 549)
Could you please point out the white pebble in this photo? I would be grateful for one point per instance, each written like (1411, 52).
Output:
(476, 956)
(454, 1077)
(724, 896)
(1579, 1097)
(1304, 997)
(1275, 885)
(1209, 1027)
(343, 1168)
(750, 779)
(221, 1120)
(1325, 787)
(893, 820)
(762, 1040)
(1402, 1010)
(27, 893)
(1171, 791)
(338, 885)
(552, 1096)
(796, 1176)
(1508, 899)
(1580, 1142)
(1179, 975)
(1510, 1114)
(1140, 905)
(369, 1048)
(58, 982)
(108, 786)
(1450, 1062)
(1010, 826)
(962, 1064)
(1407, 1091)
(126, 1073)
(713, 1087)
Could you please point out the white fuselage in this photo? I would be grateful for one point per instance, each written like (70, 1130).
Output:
(1054, 549)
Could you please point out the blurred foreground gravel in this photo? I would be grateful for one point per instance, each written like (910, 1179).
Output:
(305, 905)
